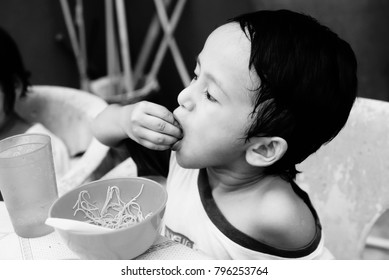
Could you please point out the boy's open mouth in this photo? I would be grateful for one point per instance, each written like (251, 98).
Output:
(177, 124)
(176, 145)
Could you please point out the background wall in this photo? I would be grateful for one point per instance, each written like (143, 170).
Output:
(39, 29)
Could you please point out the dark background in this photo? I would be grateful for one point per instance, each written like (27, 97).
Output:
(38, 27)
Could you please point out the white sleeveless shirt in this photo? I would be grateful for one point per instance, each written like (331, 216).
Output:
(192, 218)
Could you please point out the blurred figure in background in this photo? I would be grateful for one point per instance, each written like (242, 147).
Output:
(14, 83)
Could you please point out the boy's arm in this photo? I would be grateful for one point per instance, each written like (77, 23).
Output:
(106, 127)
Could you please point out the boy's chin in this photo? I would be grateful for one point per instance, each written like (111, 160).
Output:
(185, 162)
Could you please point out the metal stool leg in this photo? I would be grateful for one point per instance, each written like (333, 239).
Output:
(168, 27)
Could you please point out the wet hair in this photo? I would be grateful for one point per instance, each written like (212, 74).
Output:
(12, 71)
(308, 83)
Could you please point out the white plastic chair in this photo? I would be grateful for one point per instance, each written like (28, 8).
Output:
(348, 179)
(68, 113)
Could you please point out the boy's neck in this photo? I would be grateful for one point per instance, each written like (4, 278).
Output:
(231, 180)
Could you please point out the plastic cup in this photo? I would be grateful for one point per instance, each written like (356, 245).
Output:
(27, 182)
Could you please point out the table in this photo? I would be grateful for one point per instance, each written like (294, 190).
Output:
(51, 246)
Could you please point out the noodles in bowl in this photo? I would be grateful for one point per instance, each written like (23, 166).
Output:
(115, 213)
(134, 207)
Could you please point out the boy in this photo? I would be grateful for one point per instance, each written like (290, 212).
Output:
(269, 89)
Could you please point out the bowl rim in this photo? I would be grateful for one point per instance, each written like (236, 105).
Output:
(110, 179)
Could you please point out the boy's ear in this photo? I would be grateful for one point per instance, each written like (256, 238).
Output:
(265, 151)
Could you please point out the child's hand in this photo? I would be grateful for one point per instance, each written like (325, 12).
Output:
(151, 125)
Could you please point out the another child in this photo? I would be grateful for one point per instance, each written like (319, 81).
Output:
(14, 82)
(269, 89)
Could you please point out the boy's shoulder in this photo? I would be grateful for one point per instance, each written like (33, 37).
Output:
(281, 218)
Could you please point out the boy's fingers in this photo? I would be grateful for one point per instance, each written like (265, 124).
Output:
(159, 111)
(156, 138)
(161, 125)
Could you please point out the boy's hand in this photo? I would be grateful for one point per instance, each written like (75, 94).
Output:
(150, 125)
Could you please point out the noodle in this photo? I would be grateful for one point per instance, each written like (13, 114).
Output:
(115, 213)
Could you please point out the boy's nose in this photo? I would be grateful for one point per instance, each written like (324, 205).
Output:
(184, 99)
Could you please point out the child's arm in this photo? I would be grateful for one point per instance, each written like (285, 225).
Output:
(148, 124)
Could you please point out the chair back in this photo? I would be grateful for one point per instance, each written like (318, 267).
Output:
(348, 178)
(67, 113)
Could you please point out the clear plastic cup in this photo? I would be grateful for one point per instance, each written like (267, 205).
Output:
(28, 182)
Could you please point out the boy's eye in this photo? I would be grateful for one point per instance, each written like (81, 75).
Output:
(209, 97)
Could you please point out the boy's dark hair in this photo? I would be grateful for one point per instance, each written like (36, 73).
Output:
(308, 83)
(12, 71)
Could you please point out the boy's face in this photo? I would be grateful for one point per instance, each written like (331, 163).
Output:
(215, 108)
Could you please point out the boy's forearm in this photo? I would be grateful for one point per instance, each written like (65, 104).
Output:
(107, 126)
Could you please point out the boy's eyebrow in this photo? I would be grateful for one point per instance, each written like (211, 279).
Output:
(212, 78)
